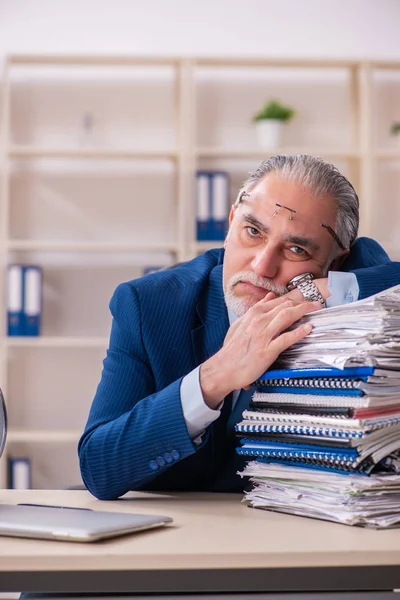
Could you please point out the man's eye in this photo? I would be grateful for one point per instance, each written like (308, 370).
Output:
(252, 231)
(298, 251)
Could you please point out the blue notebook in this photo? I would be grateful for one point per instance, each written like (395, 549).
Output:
(317, 372)
(302, 454)
(318, 380)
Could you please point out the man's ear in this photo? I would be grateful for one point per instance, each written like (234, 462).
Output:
(338, 261)
(230, 219)
(232, 213)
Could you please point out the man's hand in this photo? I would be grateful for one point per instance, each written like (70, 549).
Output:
(252, 344)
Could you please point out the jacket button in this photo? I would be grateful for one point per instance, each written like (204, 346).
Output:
(153, 465)
(167, 457)
(160, 461)
(175, 454)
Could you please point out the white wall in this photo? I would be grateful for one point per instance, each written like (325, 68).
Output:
(326, 28)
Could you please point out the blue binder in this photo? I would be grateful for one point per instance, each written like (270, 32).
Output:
(15, 286)
(212, 205)
(203, 206)
(19, 471)
(219, 205)
(32, 305)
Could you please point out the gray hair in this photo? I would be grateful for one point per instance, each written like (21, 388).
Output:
(322, 179)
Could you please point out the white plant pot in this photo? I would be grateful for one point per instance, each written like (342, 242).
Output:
(269, 133)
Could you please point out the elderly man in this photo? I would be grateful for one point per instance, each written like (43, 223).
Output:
(187, 342)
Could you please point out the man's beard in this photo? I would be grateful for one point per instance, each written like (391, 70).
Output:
(239, 305)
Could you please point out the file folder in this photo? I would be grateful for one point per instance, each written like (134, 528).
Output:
(19, 473)
(203, 206)
(32, 300)
(219, 205)
(14, 300)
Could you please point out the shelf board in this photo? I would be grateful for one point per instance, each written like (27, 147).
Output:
(258, 153)
(87, 59)
(202, 61)
(49, 245)
(43, 435)
(259, 61)
(56, 342)
(89, 153)
(389, 154)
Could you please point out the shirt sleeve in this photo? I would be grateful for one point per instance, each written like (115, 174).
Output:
(343, 287)
(198, 416)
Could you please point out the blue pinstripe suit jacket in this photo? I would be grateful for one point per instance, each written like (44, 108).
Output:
(164, 325)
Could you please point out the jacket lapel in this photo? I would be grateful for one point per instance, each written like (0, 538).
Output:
(208, 338)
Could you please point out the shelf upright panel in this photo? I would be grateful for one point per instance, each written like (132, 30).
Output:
(4, 236)
(185, 115)
(366, 142)
(354, 126)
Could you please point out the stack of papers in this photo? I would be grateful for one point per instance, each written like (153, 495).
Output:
(349, 499)
(366, 332)
(332, 410)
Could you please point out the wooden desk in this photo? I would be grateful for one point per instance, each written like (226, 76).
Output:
(216, 544)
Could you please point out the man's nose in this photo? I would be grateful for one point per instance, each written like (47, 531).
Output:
(266, 262)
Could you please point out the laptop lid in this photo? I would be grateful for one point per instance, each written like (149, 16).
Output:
(72, 524)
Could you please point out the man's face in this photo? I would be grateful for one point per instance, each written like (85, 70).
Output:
(266, 246)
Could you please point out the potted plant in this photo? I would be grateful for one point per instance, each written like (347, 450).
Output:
(395, 130)
(270, 121)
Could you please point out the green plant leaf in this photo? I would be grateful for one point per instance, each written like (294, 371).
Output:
(395, 128)
(274, 109)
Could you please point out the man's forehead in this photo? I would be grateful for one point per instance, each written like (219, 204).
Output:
(303, 203)
(294, 225)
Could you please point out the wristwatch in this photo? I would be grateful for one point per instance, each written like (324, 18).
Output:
(307, 287)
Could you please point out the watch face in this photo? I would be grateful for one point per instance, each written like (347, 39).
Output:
(3, 423)
(300, 278)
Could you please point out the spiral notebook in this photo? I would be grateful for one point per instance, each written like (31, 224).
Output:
(282, 405)
(350, 381)
(321, 372)
(255, 418)
(345, 459)
(325, 400)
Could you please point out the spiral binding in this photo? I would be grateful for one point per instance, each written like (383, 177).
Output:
(302, 430)
(315, 429)
(315, 382)
(301, 456)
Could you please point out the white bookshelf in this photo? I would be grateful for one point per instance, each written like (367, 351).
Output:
(75, 237)
(38, 436)
(90, 247)
(56, 342)
(90, 153)
(260, 155)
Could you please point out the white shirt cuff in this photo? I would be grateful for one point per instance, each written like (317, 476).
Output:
(343, 287)
(198, 416)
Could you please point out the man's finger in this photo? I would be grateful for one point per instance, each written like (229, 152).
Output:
(283, 317)
(289, 338)
(266, 304)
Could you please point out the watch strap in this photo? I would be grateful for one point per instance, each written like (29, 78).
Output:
(310, 291)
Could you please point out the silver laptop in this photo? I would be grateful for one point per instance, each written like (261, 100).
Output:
(71, 524)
